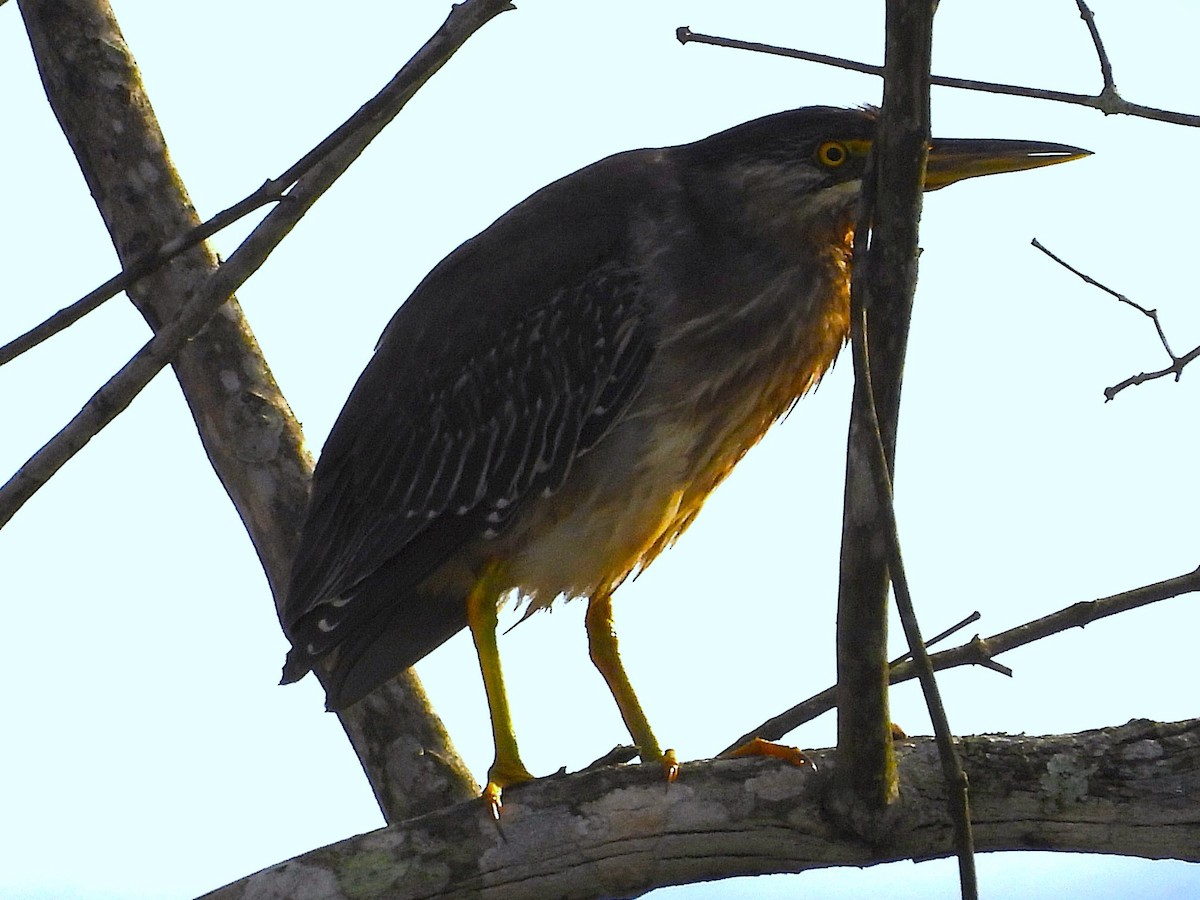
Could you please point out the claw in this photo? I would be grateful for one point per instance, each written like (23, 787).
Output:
(491, 798)
(759, 747)
(503, 773)
(670, 765)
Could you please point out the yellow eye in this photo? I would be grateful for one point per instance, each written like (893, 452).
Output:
(832, 154)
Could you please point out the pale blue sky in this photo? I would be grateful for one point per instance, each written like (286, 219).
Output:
(148, 752)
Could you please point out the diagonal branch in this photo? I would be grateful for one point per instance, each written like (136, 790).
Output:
(982, 651)
(186, 321)
(273, 190)
(248, 431)
(1177, 362)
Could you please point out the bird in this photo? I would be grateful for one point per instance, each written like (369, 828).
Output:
(550, 408)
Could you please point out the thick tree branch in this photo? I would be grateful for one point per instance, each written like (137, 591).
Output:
(885, 276)
(619, 832)
(248, 430)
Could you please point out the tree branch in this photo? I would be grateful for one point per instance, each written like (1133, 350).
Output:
(619, 832)
(1177, 362)
(1107, 101)
(272, 191)
(247, 428)
(981, 651)
(884, 279)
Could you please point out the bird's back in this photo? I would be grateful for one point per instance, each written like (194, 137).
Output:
(491, 328)
(563, 391)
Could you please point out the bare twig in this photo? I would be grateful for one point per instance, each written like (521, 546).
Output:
(1176, 369)
(1177, 362)
(1152, 314)
(958, 798)
(1106, 73)
(940, 636)
(979, 651)
(271, 192)
(1108, 102)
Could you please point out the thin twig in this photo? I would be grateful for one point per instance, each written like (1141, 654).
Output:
(272, 191)
(1176, 369)
(1108, 102)
(1106, 72)
(1151, 313)
(958, 799)
(979, 651)
(1177, 362)
(939, 637)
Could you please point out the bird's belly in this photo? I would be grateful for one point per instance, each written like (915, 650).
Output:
(635, 492)
(608, 519)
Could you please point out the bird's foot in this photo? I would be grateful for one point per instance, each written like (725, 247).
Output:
(759, 747)
(500, 776)
(670, 765)
(665, 758)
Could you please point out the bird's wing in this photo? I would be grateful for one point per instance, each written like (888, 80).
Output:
(516, 354)
(412, 471)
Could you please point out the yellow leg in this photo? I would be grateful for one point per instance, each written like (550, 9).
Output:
(602, 644)
(481, 617)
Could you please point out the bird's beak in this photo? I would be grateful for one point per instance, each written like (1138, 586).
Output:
(954, 160)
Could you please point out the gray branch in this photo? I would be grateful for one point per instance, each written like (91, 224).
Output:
(621, 831)
(246, 425)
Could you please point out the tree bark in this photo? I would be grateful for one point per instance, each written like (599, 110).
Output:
(247, 428)
(884, 282)
(620, 831)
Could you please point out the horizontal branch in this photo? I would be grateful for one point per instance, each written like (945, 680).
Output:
(621, 831)
(1108, 102)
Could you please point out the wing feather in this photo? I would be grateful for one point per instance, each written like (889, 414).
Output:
(412, 472)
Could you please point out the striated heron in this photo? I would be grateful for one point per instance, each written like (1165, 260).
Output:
(550, 408)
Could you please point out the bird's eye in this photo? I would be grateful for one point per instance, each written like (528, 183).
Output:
(832, 154)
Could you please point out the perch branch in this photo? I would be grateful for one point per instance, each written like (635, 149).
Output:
(617, 832)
